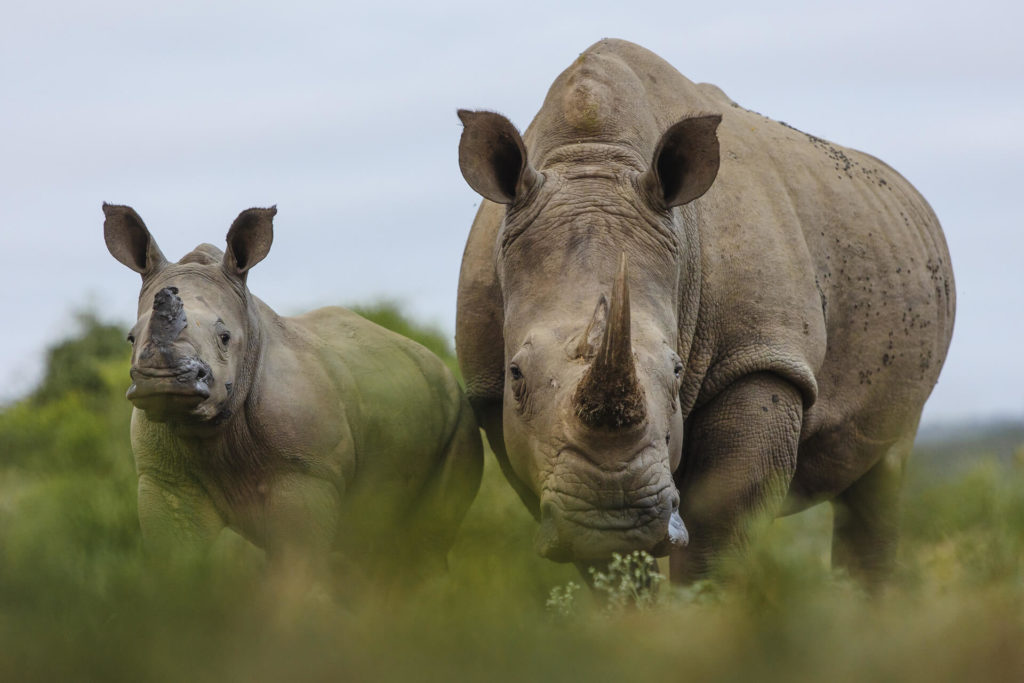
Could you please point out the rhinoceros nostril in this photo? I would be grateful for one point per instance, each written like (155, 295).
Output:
(201, 374)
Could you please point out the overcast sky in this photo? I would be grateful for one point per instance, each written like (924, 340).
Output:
(344, 117)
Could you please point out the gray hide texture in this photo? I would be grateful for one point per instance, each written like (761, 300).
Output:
(789, 304)
(319, 438)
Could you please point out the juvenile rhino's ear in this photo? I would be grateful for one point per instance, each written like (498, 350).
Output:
(685, 161)
(129, 241)
(492, 157)
(249, 239)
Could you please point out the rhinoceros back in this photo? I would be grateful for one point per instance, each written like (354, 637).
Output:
(829, 253)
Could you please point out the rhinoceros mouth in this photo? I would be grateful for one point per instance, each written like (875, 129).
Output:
(166, 392)
(572, 529)
(567, 541)
(593, 505)
(166, 386)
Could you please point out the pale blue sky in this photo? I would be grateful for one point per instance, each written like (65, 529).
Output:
(345, 118)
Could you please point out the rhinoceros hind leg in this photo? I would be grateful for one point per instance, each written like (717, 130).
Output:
(866, 519)
(443, 505)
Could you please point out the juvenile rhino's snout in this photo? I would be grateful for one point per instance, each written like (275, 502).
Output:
(168, 377)
(188, 379)
(163, 350)
(194, 372)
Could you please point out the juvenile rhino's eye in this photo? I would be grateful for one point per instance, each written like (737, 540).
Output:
(515, 372)
(678, 370)
(225, 338)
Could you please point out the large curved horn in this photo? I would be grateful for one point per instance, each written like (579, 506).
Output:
(609, 394)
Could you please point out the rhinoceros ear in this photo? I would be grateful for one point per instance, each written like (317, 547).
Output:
(685, 161)
(492, 157)
(129, 241)
(249, 239)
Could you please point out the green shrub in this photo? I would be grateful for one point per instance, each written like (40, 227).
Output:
(80, 600)
(629, 580)
(79, 363)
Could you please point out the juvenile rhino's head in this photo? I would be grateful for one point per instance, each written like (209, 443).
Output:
(197, 337)
(590, 259)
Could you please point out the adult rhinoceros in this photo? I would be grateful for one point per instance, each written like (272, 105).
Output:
(307, 435)
(669, 300)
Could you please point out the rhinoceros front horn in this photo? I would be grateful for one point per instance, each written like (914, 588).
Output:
(168, 316)
(609, 395)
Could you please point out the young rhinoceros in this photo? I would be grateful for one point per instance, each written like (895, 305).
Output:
(307, 435)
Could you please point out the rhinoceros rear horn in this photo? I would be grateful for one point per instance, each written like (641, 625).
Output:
(492, 157)
(128, 240)
(249, 239)
(609, 395)
(595, 330)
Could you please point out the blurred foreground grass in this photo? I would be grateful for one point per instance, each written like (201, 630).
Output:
(80, 601)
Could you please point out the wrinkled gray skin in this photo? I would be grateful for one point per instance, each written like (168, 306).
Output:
(790, 304)
(307, 435)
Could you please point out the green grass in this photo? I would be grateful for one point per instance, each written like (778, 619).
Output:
(80, 600)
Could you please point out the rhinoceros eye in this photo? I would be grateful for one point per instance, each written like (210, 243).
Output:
(678, 370)
(518, 385)
(225, 337)
(131, 339)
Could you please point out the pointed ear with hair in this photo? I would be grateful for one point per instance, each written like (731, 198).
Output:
(128, 240)
(685, 162)
(249, 240)
(492, 157)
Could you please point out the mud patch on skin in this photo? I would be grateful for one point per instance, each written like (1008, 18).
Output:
(588, 102)
(583, 109)
(615, 404)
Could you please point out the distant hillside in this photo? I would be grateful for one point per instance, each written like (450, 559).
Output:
(951, 447)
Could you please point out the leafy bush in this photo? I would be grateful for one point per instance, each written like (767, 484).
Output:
(79, 600)
(80, 364)
(630, 580)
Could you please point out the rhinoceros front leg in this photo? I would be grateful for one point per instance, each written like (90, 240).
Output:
(302, 515)
(176, 513)
(739, 457)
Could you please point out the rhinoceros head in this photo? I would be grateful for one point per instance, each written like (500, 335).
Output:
(196, 339)
(590, 261)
